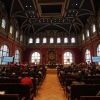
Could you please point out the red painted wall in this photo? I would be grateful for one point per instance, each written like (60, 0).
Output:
(60, 52)
(13, 46)
(91, 46)
(25, 57)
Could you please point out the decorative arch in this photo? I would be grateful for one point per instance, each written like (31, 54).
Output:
(33, 52)
(73, 56)
(9, 45)
(95, 46)
(4, 51)
(17, 48)
(87, 54)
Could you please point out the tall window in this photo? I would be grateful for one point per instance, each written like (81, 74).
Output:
(17, 56)
(16, 34)
(87, 56)
(98, 52)
(37, 40)
(4, 51)
(51, 40)
(68, 58)
(83, 37)
(44, 40)
(21, 37)
(30, 40)
(93, 28)
(58, 40)
(3, 25)
(11, 29)
(65, 40)
(35, 58)
(72, 40)
(87, 33)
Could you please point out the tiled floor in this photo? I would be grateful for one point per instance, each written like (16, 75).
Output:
(50, 89)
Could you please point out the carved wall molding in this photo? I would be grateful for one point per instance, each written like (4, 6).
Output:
(98, 13)
(90, 20)
(3, 11)
(14, 22)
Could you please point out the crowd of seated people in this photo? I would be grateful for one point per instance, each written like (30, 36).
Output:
(83, 70)
(77, 69)
(16, 71)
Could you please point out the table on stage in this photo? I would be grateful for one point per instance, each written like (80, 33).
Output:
(54, 66)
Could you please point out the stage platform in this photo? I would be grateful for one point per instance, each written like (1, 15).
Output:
(51, 71)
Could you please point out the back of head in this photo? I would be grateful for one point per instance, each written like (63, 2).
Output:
(78, 78)
(24, 74)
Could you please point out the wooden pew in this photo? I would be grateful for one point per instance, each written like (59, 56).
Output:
(87, 81)
(10, 97)
(89, 97)
(63, 79)
(16, 80)
(83, 90)
(23, 90)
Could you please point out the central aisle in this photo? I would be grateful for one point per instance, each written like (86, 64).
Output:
(50, 89)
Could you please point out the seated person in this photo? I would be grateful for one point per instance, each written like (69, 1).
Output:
(26, 80)
(76, 82)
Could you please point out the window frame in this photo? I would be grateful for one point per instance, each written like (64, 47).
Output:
(30, 40)
(3, 23)
(73, 41)
(51, 40)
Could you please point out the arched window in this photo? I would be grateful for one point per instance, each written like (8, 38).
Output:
(87, 33)
(83, 37)
(72, 40)
(17, 56)
(30, 40)
(44, 40)
(35, 57)
(98, 52)
(21, 37)
(51, 40)
(87, 56)
(11, 29)
(65, 40)
(37, 40)
(3, 25)
(93, 28)
(58, 40)
(4, 51)
(16, 34)
(68, 58)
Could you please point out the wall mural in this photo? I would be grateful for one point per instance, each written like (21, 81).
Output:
(51, 56)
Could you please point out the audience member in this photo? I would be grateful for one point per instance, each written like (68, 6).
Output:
(26, 80)
(76, 82)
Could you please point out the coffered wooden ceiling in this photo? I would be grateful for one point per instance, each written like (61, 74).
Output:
(39, 15)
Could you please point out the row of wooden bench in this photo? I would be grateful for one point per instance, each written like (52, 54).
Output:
(16, 80)
(23, 90)
(77, 91)
(86, 81)
(10, 97)
(63, 78)
(89, 97)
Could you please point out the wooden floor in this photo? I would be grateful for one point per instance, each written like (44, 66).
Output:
(50, 89)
